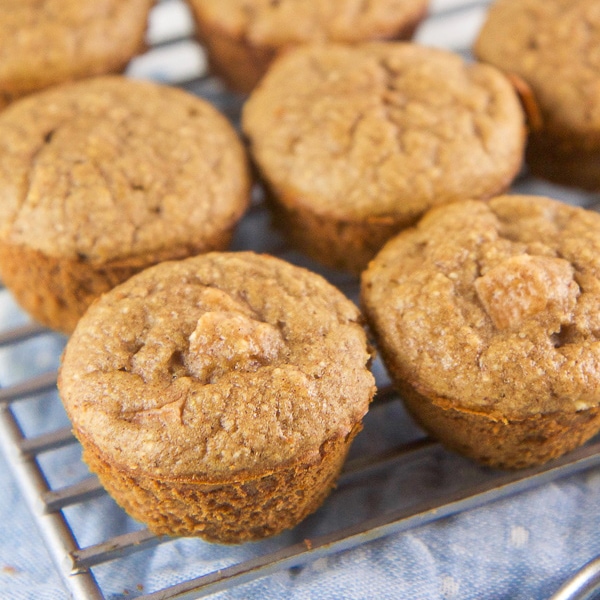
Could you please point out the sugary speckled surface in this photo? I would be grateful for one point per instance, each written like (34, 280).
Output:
(46, 42)
(111, 168)
(383, 130)
(355, 143)
(216, 367)
(493, 307)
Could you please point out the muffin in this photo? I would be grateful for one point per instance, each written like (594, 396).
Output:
(44, 42)
(554, 46)
(356, 143)
(217, 396)
(103, 177)
(486, 315)
(242, 37)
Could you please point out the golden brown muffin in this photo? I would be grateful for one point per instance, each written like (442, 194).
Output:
(44, 42)
(218, 396)
(242, 37)
(487, 318)
(554, 45)
(355, 143)
(103, 177)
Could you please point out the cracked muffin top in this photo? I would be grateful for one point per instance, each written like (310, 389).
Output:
(109, 168)
(217, 365)
(383, 130)
(554, 45)
(43, 42)
(281, 22)
(493, 307)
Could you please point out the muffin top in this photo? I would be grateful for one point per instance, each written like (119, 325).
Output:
(282, 22)
(382, 131)
(43, 42)
(216, 366)
(109, 168)
(493, 307)
(554, 45)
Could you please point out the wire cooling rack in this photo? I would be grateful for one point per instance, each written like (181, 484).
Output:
(60, 509)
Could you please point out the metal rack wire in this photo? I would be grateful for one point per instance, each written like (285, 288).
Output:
(50, 505)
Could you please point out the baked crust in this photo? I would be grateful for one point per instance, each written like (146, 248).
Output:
(552, 45)
(239, 511)
(53, 41)
(104, 177)
(505, 444)
(243, 37)
(486, 314)
(225, 380)
(356, 143)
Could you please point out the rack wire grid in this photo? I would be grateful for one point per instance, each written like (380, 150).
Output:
(39, 456)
